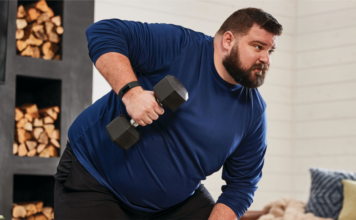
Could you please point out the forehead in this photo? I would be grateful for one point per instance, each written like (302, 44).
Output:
(257, 34)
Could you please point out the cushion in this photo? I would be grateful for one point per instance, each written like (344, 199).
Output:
(326, 192)
(348, 210)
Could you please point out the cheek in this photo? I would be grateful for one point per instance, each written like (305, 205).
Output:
(248, 58)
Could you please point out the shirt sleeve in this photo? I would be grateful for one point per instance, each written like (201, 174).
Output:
(149, 47)
(243, 169)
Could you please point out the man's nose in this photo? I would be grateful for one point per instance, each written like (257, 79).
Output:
(265, 58)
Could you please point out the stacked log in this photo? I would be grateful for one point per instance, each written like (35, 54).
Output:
(38, 31)
(31, 211)
(35, 132)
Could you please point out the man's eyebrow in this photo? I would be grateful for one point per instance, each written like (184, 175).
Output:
(264, 44)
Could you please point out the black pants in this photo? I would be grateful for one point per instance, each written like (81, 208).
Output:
(78, 195)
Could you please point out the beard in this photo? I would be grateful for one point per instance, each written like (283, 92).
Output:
(243, 76)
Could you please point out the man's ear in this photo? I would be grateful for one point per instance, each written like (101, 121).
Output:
(228, 40)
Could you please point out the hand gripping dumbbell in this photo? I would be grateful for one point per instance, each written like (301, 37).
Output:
(169, 93)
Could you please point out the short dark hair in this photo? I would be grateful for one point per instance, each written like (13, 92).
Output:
(240, 22)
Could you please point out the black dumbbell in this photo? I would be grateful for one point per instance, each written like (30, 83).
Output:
(169, 92)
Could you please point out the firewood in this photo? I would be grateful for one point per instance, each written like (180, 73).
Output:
(27, 52)
(45, 153)
(52, 151)
(32, 14)
(43, 139)
(23, 135)
(37, 132)
(41, 147)
(50, 12)
(53, 37)
(48, 120)
(20, 34)
(57, 57)
(34, 41)
(48, 128)
(40, 34)
(31, 109)
(15, 148)
(49, 112)
(28, 126)
(47, 211)
(29, 117)
(22, 150)
(46, 46)
(21, 23)
(21, 123)
(54, 49)
(48, 56)
(40, 217)
(37, 30)
(59, 30)
(39, 205)
(56, 20)
(35, 52)
(32, 217)
(49, 26)
(42, 5)
(21, 12)
(49, 50)
(18, 211)
(35, 27)
(55, 143)
(30, 208)
(21, 45)
(52, 215)
(31, 145)
(54, 134)
(38, 122)
(18, 114)
(55, 108)
(32, 153)
(42, 18)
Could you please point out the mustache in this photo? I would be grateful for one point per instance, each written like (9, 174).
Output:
(261, 66)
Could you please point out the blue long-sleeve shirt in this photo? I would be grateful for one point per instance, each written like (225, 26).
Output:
(221, 124)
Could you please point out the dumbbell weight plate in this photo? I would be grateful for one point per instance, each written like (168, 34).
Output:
(122, 133)
(170, 92)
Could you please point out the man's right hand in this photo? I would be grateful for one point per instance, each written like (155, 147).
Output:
(142, 106)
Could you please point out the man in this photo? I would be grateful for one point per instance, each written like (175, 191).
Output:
(223, 123)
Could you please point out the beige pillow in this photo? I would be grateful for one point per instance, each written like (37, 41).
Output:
(348, 210)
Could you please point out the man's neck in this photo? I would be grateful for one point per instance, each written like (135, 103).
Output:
(218, 58)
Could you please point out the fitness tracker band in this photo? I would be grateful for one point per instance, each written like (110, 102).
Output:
(127, 87)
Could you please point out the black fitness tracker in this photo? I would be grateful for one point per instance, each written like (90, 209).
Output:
(127, 87)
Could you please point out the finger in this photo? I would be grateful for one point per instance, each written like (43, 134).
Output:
(158, 109)
(153, 115)
(141, 123)
(147, 120)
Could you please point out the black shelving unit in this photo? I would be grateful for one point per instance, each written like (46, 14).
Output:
(73, 71)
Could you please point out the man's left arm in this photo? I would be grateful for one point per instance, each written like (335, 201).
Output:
(222, 212)
(242, 171)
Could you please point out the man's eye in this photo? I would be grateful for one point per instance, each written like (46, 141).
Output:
(271, 51)
(258, 47)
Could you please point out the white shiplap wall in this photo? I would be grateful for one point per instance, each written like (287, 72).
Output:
(324, 90)
(206, 17)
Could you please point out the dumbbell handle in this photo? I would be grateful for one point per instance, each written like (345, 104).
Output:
(135, 124)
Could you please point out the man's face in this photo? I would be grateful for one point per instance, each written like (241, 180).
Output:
(250, 57)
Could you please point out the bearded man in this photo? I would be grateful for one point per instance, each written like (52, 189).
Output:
(223, 123)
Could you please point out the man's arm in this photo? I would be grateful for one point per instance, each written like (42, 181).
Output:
(140, 104)
(120, 49)
(243, 169)
(222, 212)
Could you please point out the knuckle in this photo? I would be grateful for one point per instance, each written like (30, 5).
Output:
(146, 109)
